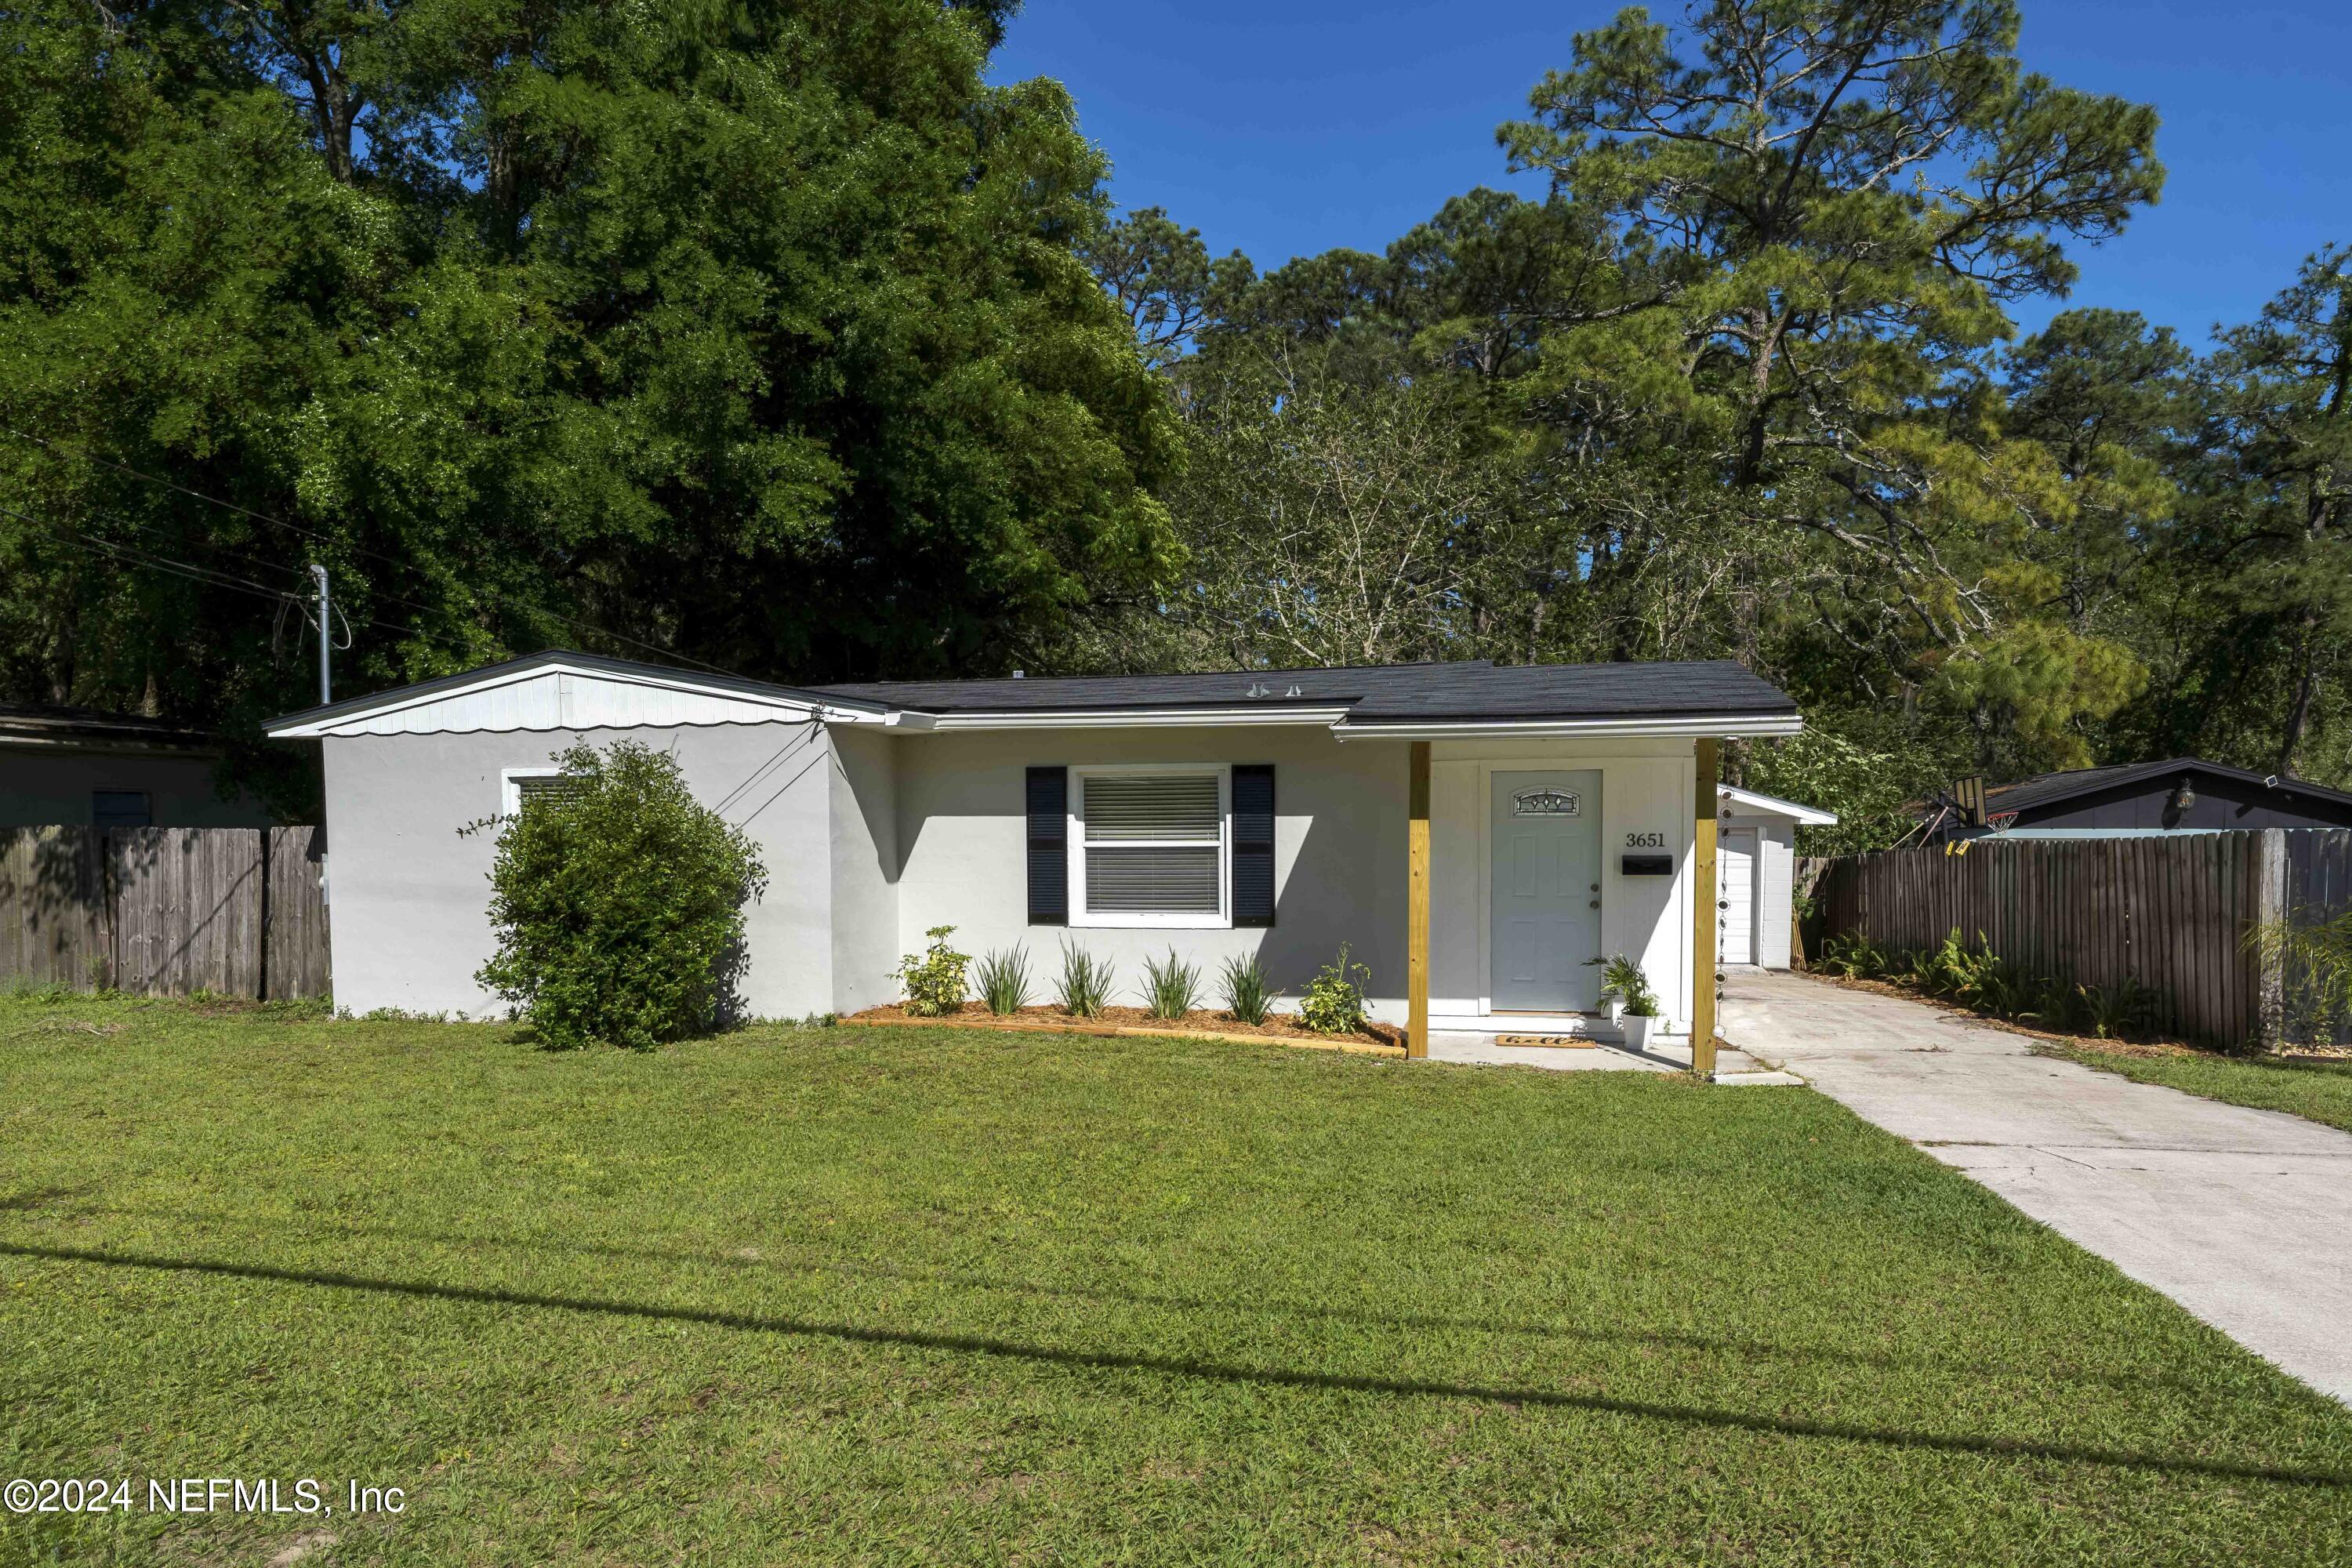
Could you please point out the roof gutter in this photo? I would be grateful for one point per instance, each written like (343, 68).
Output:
(1627, 728)
(1135, 718)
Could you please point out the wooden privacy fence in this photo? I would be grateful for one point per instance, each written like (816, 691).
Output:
(2167, 913)
(164, 912)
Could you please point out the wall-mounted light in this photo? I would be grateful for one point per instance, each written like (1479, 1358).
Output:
(2184, 798)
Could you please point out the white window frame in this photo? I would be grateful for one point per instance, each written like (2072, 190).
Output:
(510, 787)
(1189, 920)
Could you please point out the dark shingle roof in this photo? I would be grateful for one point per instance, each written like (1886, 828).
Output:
(59, 725)
(1436, 693)
(2043, 789)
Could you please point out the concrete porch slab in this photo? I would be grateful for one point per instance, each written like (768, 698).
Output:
(1463, 1048)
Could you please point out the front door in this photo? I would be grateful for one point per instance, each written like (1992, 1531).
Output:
(1547, 891)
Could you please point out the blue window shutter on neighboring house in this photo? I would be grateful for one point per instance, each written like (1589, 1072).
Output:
(1049, 847)
(1254, 844)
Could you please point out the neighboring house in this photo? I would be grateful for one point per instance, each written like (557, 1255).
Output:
(76, 767)
(2180, 794)
(1756, 875)
(1528, 821)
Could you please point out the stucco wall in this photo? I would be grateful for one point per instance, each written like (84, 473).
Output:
(409, 898)
(1645, 787)
(1339, 851)
(864, 865)
(41, 788)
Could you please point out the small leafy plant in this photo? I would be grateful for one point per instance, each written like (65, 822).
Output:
(2130, 1008)
(1085, 982)
(1622, 981)
(935, 978)
(1248, 997)
(1172, 989)
(1334, 1003)
(1003, 979)
(1854, 956)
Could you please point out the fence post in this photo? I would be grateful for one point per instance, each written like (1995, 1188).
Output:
(2270, 907)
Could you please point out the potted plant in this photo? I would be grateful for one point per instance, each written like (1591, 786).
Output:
(1632, 1006)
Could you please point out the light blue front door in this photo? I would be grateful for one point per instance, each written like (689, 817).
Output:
(1546, 926)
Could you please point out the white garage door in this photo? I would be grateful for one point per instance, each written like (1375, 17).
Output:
(1734, 882)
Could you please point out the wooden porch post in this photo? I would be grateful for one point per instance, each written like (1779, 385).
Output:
(1704, 918)
(1416, 908)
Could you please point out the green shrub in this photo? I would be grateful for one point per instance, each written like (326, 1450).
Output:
(1622, 981)
(1172, 989)
(1003, 979)
(2314, 958)
(618, 902)
(1334, 1003)
(934, 977)
(1086, 982)
(1248, 997)
(2130, 1008)
(1853, 957)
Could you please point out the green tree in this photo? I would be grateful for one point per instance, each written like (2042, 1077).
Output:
(757, 336)
(1830, 204)
(2281, 422)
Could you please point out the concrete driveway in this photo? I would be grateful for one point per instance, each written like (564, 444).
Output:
(2242, 1216)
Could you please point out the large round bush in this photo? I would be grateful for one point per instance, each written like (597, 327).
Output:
(618, 900)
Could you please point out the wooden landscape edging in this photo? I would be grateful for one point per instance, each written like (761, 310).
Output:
(1134, 1031)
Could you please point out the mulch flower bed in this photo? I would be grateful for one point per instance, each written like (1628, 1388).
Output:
(2111, 1045)
(1279, 1027)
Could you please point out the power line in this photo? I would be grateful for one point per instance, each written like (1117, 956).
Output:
(87, 456)
(194, 573)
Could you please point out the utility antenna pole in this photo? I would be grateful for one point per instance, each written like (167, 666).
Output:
(326, 640)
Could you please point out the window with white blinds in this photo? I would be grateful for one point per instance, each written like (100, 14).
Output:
(1149, 846)
(534, 783)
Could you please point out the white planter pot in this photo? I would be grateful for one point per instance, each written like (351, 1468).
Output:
(1616, 1015)
(1637, 1027)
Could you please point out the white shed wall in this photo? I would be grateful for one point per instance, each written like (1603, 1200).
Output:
(1776, 872)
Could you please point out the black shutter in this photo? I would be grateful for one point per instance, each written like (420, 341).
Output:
(1049, 847)
(1254, 844)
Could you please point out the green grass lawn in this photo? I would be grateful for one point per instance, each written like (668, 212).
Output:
(931, 1296)
(2315, 1087)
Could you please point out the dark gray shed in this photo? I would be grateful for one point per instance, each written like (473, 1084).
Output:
(2178, 794)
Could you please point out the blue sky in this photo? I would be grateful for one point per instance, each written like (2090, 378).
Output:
(1288, 127)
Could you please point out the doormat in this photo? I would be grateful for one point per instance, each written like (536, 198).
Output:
(1564, 1042)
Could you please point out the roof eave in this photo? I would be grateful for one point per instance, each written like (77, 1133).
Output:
(314, 723)
(1629, 726)
(1196, 717)
(1761, 804)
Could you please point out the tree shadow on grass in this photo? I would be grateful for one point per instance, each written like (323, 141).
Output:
(751, 1259)
(1207, 1370)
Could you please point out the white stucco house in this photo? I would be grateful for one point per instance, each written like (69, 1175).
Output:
(1482, 836)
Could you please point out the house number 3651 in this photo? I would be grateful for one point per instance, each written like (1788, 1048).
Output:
(1645, 841)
